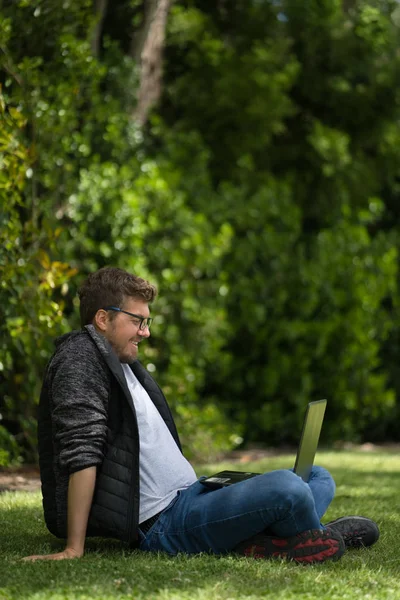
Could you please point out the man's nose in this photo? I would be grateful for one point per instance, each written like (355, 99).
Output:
(145, 333)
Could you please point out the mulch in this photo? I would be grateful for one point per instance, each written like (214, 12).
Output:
(23, 479)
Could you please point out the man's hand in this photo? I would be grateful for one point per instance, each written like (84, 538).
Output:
(68, 553)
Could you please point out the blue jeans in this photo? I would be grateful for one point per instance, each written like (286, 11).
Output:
(202, 520)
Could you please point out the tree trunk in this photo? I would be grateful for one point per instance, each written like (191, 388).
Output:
(147, 48)
(348, 5)
(100, 11)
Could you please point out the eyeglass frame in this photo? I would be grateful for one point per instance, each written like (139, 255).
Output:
(144, 321)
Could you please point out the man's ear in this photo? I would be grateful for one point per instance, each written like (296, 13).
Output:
(101, 319)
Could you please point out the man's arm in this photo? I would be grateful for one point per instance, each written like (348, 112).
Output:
(80, 495)
(78, 391)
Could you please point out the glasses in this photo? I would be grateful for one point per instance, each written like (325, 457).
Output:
(143, 321)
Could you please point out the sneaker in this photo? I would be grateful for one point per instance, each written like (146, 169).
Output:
(313, 546)
(357, 532)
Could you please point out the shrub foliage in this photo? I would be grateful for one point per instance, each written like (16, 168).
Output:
(261, 196)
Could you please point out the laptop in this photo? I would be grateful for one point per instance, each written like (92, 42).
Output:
(308, 445)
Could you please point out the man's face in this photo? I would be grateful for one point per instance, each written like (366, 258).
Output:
(123, 331)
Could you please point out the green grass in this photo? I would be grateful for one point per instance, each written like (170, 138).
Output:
(367, 484)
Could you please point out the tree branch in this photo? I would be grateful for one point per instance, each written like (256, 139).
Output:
(8, 67)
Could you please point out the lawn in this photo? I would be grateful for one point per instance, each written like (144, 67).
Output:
(367, 484)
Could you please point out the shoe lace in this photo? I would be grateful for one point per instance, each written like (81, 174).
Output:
(353, 539)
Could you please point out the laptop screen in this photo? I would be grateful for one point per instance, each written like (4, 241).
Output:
(309, 438)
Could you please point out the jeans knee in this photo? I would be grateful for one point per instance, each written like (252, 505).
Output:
(290, 489)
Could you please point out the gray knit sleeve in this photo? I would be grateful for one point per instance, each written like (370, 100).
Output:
(79, 390)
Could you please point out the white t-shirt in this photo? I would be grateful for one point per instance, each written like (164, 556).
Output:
(163, 470)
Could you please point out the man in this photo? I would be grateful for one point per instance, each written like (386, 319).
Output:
(111, 462)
